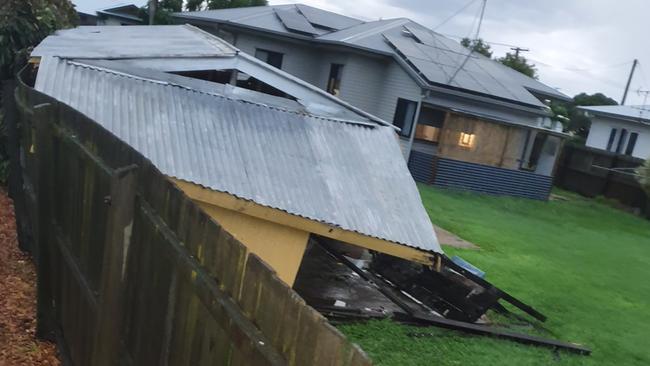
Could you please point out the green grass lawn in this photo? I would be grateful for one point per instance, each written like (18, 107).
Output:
(583, 264)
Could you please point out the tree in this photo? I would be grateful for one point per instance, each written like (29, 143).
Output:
(579, 124)
(163, 11)
(196, 5)
(23, 25)
(520, 64)
(477, 45)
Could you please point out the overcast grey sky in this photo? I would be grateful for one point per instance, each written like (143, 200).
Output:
(577, 45)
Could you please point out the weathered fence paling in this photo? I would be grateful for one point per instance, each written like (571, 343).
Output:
(132, 272)
(593, 173)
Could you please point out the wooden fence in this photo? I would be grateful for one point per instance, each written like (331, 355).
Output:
(593, 173)
(131, 271)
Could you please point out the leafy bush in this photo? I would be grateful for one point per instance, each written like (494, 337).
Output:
(24, 24)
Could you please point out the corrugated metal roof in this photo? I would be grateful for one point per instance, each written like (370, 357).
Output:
(329, 110)
(112, 42)
(635, 113)
(434, 56)
(346, 175)
(132, 47)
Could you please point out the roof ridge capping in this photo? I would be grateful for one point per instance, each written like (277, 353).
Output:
(88, 64)
(211, 38)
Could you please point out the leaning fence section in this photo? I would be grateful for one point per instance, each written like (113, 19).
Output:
(132, 272)
(591, 172)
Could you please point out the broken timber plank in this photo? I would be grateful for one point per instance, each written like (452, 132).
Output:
(502, 294)
(477, 329)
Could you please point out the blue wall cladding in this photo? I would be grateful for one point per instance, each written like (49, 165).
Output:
(421, 166)
(480, 178)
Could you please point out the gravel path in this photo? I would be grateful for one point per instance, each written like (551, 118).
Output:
(18, 345)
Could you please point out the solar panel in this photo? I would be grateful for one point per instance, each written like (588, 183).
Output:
(295, 22)
(425, 37)
(437, 64)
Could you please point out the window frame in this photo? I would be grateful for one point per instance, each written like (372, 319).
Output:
(631, 143)
(612, 138)
(621, 140)
(334, 79)
(406, 128)
(268, 57)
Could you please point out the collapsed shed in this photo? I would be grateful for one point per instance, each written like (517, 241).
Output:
(281, 165)
(271, 170)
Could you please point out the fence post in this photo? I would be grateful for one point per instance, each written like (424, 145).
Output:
(44, 115)
(15, 181)
(106, 347)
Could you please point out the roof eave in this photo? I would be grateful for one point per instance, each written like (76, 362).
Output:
(643, 121)
(423, 83)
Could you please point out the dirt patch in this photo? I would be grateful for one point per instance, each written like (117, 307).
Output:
(18, 344)
(452, 240)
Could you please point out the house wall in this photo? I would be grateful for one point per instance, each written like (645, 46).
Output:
(494, 144)
(602, 127)
(371, 83)
(297, 60)
(280, 246)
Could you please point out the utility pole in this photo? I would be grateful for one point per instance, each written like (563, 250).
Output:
(152, 10)
(629, 80)
(519, 49)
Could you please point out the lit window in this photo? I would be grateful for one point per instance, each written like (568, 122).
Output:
(466, 139)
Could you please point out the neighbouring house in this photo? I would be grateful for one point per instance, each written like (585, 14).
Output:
(465, 121)
(620, 129)
(108, 12)
(271, 158)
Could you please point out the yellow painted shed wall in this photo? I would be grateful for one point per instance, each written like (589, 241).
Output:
(247, 218)
(280, 246)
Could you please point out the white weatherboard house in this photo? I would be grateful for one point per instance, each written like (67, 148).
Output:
(465, 120)
(620, 129)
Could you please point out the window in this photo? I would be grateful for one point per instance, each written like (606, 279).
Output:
(270, 57)
(612, 137)
(536, 151)
(334, 81)
(404, 116)
(429, 125)
(621, 141)
(466, 139)
(631, 143)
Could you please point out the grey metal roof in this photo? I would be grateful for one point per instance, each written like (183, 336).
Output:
(111, 42)
(434, 57)
(325, 18)
(633, 113)
(135, 46)
(346, 175)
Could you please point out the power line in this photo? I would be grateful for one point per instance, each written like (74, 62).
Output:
(454, 14)
(471, 49)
